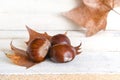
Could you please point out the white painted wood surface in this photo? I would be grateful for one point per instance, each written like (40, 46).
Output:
(100, 53)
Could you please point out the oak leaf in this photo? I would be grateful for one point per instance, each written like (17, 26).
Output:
(92, 14)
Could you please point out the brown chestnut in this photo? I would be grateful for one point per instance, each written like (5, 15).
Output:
(38, 49)
(60, 39)
(62, 53)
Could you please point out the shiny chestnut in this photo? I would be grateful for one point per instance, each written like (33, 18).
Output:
(62, 53)
(60, 39)
(38, 49)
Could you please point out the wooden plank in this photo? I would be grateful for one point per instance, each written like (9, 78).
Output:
(16, 6)
(14, 21)
(86, 62)
(103, 41)
(42, 21)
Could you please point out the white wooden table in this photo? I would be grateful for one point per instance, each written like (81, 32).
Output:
(100, 53)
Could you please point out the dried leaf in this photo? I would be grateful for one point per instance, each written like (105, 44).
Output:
(116, 3)
(33, 34)
(92, 14)
(18, 51)
(19, 57)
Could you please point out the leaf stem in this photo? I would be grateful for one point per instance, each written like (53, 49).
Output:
(116, 12)
(111, 8)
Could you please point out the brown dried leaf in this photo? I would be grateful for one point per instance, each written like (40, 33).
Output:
(92, 14)
(33, 34)
(18, 51)
(116, 3)
(19, 57)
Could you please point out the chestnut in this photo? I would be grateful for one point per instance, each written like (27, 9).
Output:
(62, 53)
(60, 39)
(37, 49)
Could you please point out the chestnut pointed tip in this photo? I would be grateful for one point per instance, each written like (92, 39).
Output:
(46, 34)
(65, 32)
